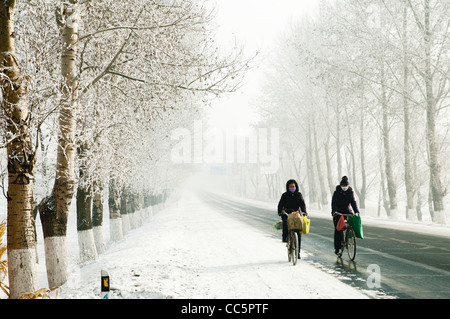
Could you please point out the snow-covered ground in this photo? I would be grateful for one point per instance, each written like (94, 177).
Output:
(191, 251)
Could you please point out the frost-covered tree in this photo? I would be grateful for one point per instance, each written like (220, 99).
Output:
(151, 63)
(430, 61)
(123, 65)
(16, 120)
(55, 207)
(376, 74)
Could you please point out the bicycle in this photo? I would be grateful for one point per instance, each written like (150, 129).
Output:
(292, 246)
(349, 241)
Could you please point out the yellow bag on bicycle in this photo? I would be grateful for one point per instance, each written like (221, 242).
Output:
(295, 221)
(306, 224)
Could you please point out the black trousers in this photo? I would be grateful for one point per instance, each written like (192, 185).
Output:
(286, 232)
(338, 235)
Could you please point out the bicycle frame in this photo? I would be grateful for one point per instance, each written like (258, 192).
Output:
(292, 245)
(349, 241)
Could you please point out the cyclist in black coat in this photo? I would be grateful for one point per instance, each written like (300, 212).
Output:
(291, 201)
(343, 198)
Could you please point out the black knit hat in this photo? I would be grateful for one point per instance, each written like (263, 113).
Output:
(344, 181)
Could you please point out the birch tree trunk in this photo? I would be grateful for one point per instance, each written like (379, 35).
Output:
(338, 138)
(310, 168)
(21, 159)
(86, 243)
(407, 143)
(115, 220)
(132, 216)
(320, 177)
(124, 209)
(97, 218)
(437, 192)
(363, 188)
(88, 251)
(331, 185)
(391, 186)
(54, 208)
(351, 151)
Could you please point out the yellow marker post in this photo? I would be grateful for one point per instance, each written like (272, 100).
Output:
(105, 284)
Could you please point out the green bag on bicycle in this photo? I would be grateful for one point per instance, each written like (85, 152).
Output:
(355, 222)
(278, 225)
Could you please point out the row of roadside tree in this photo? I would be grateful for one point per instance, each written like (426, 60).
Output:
(362, 88)
(89, 93)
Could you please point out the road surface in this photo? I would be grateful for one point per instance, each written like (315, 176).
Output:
(389, 263)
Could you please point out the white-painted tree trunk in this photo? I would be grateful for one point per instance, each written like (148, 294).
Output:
(439, 217)
(56, 260)
(88, 251)
(136, 219)
(150, 212)
(411, 214)
(20, 277)
(125, 224)
(115, 229)
(394, 214)
(132, 217)
(99, 240)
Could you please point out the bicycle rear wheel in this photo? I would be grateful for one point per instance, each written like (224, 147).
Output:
(294, 248)
(351, 243)
(288, 245)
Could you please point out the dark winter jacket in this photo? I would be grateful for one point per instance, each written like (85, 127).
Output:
(291, 202)
(341, 201)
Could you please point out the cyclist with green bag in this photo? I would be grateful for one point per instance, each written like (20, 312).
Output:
(343, 198)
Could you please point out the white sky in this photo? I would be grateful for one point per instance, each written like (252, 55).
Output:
(256, 22)
(253, 24)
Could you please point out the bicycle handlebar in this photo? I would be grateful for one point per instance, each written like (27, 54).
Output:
(294, 212)
(345, 214)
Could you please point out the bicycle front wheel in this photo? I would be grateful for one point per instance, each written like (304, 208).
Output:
(294, 248)
(351, 244)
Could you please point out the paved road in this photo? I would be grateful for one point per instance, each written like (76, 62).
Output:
(389, 263)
